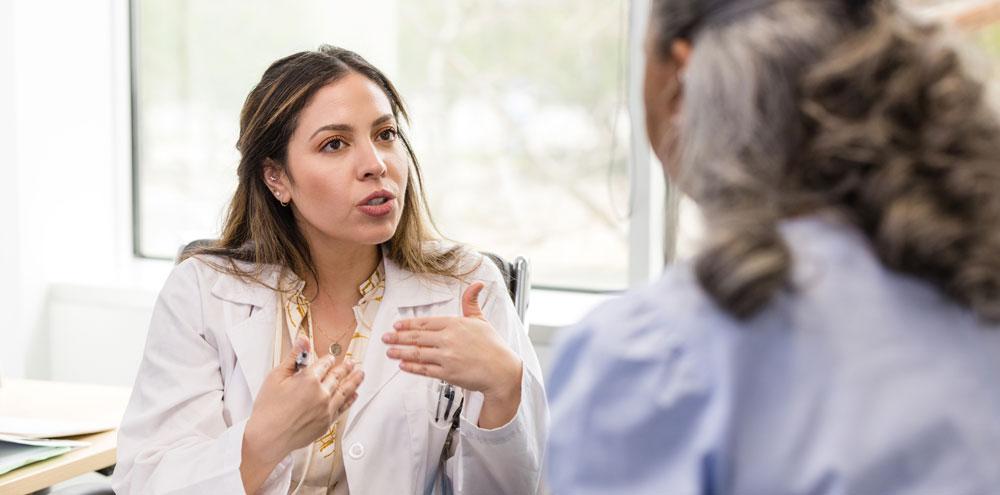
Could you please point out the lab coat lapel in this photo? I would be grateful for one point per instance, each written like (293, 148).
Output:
(378, 368)
(252, 338)
(404, 294)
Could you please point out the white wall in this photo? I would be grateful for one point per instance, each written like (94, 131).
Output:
(65, 77)
(97, 334)
(9, 241)
(66, 137)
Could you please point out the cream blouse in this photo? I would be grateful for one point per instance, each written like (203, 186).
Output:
(319, 468)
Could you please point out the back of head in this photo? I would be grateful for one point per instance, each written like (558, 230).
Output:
(796, 106)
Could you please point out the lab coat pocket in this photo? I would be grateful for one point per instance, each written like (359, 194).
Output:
(427, 436)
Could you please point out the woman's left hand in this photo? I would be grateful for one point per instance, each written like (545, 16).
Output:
(462, 350)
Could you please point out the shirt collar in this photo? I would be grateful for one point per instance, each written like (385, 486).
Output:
(406, 288)
(296, 305)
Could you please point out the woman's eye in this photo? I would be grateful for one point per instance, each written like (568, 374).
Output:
(333, 145)
(387, 135)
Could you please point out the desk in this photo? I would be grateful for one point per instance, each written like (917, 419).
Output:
(68, 401)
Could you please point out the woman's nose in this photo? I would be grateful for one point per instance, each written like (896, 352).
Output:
(372, 164)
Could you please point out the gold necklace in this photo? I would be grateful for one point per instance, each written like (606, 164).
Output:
(335, 347)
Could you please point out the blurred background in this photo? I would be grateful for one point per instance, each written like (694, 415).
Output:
(520, 118)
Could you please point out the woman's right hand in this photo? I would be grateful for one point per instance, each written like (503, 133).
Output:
(293, 409)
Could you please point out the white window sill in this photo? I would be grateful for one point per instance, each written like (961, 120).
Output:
(551, 310)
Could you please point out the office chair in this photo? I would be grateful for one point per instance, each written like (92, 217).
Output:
(516, 274)
(192, 247)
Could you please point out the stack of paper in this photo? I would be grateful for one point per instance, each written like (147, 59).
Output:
(16, 452)
(49, 428)
(27, 440)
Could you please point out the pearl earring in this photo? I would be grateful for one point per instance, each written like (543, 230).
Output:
(277, 193)
(274, 178)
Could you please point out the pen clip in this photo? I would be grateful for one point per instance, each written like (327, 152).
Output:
(437, 411)
(450, 394)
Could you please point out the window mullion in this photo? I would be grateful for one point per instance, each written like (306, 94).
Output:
(647, 188)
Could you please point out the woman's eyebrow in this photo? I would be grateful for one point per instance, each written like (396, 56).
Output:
(333, 127)
(347, 127)
(383, 119)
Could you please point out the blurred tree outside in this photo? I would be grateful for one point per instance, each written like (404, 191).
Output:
(521, 126)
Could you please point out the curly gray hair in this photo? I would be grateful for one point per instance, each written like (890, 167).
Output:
(796, 106)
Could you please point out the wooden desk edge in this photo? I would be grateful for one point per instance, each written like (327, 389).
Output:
(43, 474)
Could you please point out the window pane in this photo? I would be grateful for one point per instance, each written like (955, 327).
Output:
(518, 110)
(515, 106)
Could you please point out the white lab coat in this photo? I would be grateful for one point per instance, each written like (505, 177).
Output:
(209, 350)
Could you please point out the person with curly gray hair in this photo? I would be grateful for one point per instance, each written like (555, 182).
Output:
(837, 332)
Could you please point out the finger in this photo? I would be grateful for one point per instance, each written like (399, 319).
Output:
(424, 323)
(413, 337)
(470, 301)
(347, 405)
(429, 355)
(321, 367)
(423, 369)
(337, 374)
(352, 382)
(301, 345)
(351, 400)
(346, 388)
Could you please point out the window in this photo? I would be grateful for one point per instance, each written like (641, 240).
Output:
(519, 108)
(978, 18)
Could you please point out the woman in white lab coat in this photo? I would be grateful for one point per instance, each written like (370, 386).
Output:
(420, 378)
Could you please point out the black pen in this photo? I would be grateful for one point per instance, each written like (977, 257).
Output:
(301, 361)
(450, 394)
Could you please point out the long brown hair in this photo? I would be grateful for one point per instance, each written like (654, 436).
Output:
(260, 232)
(846, 105)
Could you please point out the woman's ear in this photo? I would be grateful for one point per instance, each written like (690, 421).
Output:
(276, 181)
(680, 51)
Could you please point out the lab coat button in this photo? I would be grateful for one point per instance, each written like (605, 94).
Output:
(357, 450)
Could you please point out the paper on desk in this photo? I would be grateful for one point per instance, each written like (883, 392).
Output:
(16, 452)
(49, 428)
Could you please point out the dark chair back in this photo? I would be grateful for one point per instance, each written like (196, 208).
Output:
(517, 275)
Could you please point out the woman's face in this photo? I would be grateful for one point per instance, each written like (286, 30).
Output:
(348, 168)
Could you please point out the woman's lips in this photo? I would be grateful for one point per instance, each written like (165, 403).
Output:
(378, 211)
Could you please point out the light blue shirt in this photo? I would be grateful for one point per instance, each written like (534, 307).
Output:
(859, 380)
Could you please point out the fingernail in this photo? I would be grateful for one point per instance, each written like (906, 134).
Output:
(348, 360)
(391, 353)
(331, 358)
(386, 338)
(397, 325)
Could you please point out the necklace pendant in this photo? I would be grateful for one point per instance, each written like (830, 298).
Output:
(335, 349)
